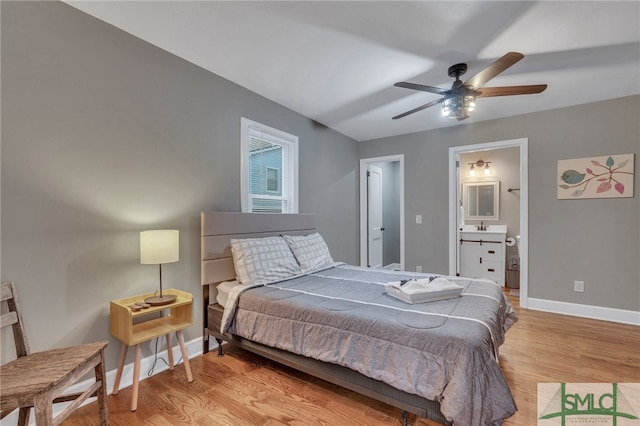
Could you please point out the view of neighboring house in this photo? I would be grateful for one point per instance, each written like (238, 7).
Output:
(266, 176)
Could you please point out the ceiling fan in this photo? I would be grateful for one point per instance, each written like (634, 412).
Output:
(458, 101)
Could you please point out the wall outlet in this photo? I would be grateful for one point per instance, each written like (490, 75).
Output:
(418, 268)
(578, 286)
(418, 218)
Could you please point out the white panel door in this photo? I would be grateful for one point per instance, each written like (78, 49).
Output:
(374, 207)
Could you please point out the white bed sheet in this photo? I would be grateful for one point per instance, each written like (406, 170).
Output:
(223, 291)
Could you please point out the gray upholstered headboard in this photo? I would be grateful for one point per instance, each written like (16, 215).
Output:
(217, 228)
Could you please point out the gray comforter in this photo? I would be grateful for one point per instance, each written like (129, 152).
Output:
(444, 351)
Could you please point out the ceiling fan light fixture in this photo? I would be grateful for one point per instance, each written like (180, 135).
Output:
(459, 106)
(460, 100)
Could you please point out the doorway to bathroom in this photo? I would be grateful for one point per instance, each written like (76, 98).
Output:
(507, 163)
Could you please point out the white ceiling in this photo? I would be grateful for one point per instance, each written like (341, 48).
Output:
(336, 61)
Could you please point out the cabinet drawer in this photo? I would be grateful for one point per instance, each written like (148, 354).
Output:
(492, 252)
(492, 271)
(488, 251)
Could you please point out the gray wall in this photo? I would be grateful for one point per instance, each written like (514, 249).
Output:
(592, 240)
(104, 135)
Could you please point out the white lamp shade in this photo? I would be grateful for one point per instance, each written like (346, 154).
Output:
(159, 246)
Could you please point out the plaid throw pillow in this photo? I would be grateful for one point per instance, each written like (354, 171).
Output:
(262, 260)
(310, 251)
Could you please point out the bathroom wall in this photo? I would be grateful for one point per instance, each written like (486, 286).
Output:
(505, 168)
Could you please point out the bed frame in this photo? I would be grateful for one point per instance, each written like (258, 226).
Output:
(217, 228)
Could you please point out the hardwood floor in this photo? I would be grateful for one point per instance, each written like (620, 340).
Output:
(243, 389)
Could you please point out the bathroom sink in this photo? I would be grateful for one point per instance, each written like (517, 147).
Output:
(496, 229)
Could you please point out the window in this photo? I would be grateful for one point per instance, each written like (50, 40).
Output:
(269, 168)
(273, 182)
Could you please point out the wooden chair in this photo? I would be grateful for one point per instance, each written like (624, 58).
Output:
(38, 380)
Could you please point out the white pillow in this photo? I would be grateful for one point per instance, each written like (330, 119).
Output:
(262, 260)
(310, 251)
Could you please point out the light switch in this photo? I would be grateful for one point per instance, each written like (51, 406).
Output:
(418, 218)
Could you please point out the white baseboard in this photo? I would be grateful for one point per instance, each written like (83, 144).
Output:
(194, 348)
(586, 311)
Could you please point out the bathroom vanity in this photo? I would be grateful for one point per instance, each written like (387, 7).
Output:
(483, 251)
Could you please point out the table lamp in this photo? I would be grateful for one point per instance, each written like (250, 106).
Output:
(158, 247)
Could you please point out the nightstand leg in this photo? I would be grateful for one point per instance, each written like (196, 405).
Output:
(136, 380)
(185, 356)
(169, 351)
(123, 355)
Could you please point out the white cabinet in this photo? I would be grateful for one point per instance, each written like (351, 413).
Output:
(482, 253)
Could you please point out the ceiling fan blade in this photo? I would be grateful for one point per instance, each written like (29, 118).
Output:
(423, 88)
(420, 108)
(487, 92)
(494, 69)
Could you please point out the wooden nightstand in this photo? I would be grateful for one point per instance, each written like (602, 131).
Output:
(136, 327)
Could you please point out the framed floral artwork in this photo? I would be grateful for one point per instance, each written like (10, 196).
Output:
(596, 177)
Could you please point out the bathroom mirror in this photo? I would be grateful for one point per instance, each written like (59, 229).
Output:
(480, 200)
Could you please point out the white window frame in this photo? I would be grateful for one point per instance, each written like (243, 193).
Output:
(289, 174)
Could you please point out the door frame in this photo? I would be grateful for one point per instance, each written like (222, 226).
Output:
(364, 163)
(454, 183)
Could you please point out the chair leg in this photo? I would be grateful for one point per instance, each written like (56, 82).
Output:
(43, 407)
(103, 408)
(23, 416)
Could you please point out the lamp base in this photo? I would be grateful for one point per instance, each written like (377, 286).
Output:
(161, 300)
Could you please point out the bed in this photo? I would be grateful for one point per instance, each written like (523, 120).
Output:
(437, 360)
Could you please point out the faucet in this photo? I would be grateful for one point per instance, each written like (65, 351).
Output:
(481, 227)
